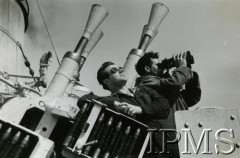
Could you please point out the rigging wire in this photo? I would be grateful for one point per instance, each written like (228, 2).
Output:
(28, 9)
(27, 63)
(48, 32)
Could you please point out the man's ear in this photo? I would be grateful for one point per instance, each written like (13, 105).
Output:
(146, 68)
(106, 81)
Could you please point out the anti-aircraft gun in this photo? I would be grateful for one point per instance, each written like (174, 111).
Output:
(29, 122)
(109, 124)
(29, 127)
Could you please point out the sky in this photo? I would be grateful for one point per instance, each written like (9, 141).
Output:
(208, 28)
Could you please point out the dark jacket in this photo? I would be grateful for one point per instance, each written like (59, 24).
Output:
(154, 105)
(171, 88)
(158, 109)
(178, 99)
(172, 85)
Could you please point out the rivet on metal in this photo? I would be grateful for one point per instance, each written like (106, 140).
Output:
(232, 117)
(186, 125)
(238, 145)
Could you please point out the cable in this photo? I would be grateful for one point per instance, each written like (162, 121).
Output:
(27, 63)
(28, 9)
(48, 32)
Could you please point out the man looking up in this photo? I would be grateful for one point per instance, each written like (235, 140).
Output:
(145, 103)
(170, 86)
(112, 78)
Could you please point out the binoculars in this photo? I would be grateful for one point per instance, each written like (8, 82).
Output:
(169, 63)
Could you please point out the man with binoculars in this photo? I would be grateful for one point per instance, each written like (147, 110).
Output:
(171, 85)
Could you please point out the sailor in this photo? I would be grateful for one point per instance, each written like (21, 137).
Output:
(170, 86)
(141, 102)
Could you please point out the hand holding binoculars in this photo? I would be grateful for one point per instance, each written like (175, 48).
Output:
(170, 63)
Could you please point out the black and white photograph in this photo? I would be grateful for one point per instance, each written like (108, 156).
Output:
(119, 79)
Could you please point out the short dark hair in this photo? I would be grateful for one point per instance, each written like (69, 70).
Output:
(145, 60)
(101, 75)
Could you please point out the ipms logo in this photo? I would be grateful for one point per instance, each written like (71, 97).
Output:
(223, 143)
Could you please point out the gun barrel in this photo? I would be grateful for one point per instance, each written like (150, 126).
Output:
(145, 28)
(95, 38)
(144, 42)
(71, 62)
(129, 66)
(97, 14)
(158, 13)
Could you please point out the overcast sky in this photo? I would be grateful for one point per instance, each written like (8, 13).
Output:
(210, 29)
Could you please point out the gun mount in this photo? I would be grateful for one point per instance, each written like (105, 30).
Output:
(29, 126)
